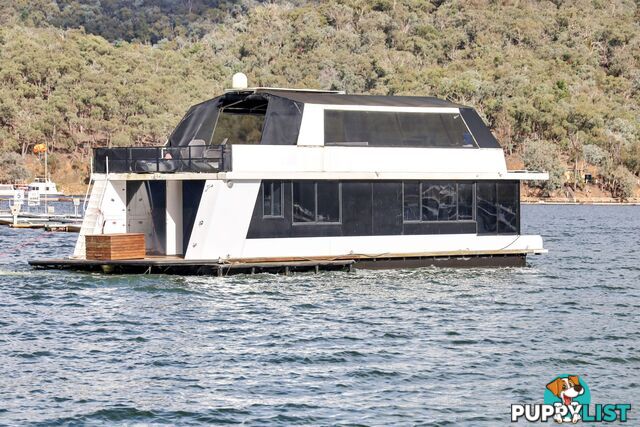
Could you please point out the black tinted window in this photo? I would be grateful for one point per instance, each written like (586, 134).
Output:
(316, 201)
(396, 129)
(487, 217)
(277, 198)
(507, 209)
(465, 201)
(411, 201)
(437, 201)
(328, 201)
(304, 201)
(272, 198)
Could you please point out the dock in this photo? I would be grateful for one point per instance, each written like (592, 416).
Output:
(48, 222)
(63, 213)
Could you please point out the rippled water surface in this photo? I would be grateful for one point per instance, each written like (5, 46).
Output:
(371, 348)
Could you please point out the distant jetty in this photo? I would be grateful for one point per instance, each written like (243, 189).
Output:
(57, 215)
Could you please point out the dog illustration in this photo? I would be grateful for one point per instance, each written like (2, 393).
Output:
(566, 389)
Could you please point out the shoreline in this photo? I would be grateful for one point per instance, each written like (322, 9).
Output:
(604, 201)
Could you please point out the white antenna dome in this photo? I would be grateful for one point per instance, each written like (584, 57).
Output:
(239, 81)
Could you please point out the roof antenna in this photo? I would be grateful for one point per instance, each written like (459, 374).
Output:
(239, 81)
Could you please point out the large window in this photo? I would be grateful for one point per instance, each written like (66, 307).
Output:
(486, 205)
(396, 129)
(316, 202)
(411, 201)
(507, 207)
(465, 201)
(437, 201)
(272, 196)
(498, 207)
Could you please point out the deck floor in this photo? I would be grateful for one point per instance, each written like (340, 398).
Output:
(180, 266)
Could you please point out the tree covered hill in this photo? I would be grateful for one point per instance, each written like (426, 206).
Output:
(146, 21)
(558, 81)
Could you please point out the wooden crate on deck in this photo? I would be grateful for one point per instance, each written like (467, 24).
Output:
(115, 246)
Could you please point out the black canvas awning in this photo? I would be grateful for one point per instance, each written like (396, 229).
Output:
(282, 114)
(282, 118)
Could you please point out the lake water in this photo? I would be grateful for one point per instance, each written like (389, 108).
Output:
(399, 347)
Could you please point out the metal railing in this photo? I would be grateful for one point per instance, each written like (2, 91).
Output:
(195, 158)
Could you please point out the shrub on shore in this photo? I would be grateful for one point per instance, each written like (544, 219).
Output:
(539, 155)
(621, 183)
(12, 168)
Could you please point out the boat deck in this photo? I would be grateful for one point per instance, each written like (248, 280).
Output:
(177, 265)
(180, 266)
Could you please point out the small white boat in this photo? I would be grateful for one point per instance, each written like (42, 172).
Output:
(45, 187)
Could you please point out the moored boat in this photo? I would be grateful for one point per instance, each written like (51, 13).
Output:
(275, 176)
(44, 187)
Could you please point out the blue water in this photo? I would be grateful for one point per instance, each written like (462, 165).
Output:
(447, 347)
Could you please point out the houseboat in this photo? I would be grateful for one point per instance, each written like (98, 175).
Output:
(264, 179)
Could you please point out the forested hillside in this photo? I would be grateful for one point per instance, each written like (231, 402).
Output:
(558, 81)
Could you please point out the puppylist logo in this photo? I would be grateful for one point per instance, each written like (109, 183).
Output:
(568, 399)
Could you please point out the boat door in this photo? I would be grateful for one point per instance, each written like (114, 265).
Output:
(147, 213)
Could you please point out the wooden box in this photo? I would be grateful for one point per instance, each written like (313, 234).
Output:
(115, 246)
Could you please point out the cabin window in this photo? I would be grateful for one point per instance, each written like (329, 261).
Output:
(507, 207)
(465, 201)
(272, 196)
(487, 215)
(328, 201)
(437, 201)
(316, 202)
(396, 129)
(411, 201)
(498, 207)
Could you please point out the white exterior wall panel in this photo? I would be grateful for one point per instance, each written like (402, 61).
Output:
(383, 246)
(222, 221)
(114, 208)
(295, 159)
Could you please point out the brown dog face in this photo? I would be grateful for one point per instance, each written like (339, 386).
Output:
(559, 385)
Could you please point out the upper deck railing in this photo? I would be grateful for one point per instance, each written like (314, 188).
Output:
(195, 158)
